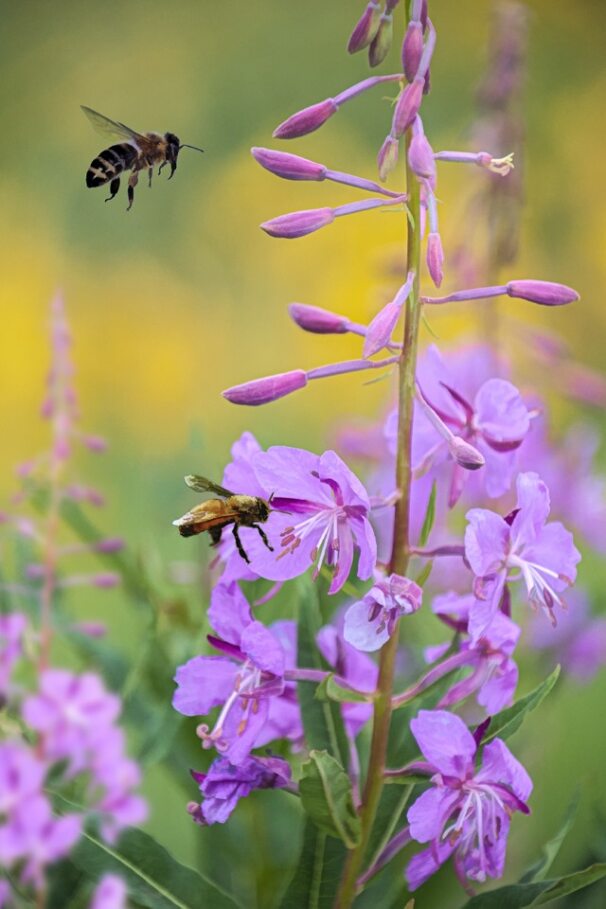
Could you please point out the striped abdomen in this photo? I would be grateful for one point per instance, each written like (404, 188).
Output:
(111, 162)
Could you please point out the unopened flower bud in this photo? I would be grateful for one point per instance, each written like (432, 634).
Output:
(420, 157)
(270, 388)
(316, 320)
(381, 43)
(407, 107)
(365, 29)
(547, 293)
(95, 443)
(307, 120)
(465, 454)
(106, 580)
(290, 167)
(435, 258)
(387, 158)
(109, 545)
(412, 48)
(298, 223)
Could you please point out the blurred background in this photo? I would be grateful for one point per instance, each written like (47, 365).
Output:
(184, 295)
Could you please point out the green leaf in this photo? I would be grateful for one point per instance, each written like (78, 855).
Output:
(430, 516)
(424, 573)
(154, 878)
(539, 869)
(322, 721)
(330, 690)
(539, 893)
(326, 796)
(509, 721)
(318, 872)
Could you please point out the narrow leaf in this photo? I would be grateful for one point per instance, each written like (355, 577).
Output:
(509, 721)
(430, 516)
(539, 893)
(331, 690)
(539, 869)
(318, 872)
(327, 798)
(154, 878)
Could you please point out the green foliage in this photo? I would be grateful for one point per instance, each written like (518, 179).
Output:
(539, 893)
(331, 690)
(430, 516)
(509, 721)
(326, 796)
(539, 869)
(318, 871)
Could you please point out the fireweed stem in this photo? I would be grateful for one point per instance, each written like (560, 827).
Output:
(50, 552)
(400, 552)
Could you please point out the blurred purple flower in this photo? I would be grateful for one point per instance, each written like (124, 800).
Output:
(12, 631)
(467, 810)
(578, 642)
(541, 554)
(110, 893)
(225, 784)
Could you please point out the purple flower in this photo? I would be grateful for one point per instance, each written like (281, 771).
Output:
(467, 811)
(225, 784)
(12, 630)
(247, 682)
(578, 642)
(114, 777)
(494, 674)
(72, 714)
(521, 546)
(110, 893)
(371, 621)
(327, 517)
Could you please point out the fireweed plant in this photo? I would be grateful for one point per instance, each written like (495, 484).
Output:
(460, 436)
(63, 759)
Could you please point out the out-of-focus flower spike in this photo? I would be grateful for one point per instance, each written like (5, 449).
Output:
(387, 159)
(379, 332)
(365, 28)
(381, 43)
(81, 493)
(420, 154)
(94, 443)
(271, 388)
(412, 49)
(300, 223)
(313, 117)
(287, 166)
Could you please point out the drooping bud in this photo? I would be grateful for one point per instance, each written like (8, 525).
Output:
(381, 43)
(287, 166)
(270, 388)
(387, 159)
(547, 293)
(365, 29)
(435, 258)
(420, 156)
(412, 48)
(380, 330)
(298, 223)
(317, 320)
(407, 107)
(307, 120)
(465, 454)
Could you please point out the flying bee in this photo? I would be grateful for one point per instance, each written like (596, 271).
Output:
(136, 152)
(215, 514)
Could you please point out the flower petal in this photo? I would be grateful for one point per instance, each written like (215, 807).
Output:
(428, 815)
(445, 741)
(486, 541)
(204, 683)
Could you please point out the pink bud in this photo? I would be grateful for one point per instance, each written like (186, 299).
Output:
(435, 258)
(298, 223)
(25, 468)
(387, 158)
(95, 443)
(381, 43)
(110, 545)
(412, 48)
(407, 107)
(465, 454)
(318, 321)
(547, 293)
(381, 328)
(107, 580)
(307, 120)
(270, 388)
(90, 629)
(420, 157)
(365, 29)
(290, 167)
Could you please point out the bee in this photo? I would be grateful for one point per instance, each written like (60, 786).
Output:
(215, 514)
(136, 152)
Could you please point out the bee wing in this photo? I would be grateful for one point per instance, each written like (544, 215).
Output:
(199, 516)
(106, 127)
(202, 484)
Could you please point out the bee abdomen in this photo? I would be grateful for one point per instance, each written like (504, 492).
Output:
(109, 163)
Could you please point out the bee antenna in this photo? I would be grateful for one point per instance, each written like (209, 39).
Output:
(195, 147)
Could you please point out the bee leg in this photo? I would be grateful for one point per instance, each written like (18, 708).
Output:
(114, 186)
(263, 536)
(150, 173)
(173, 167)
(132, 182)
(164, 163)
(239, 545)
(215, 535)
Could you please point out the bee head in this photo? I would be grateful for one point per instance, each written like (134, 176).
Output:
(173, 148)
